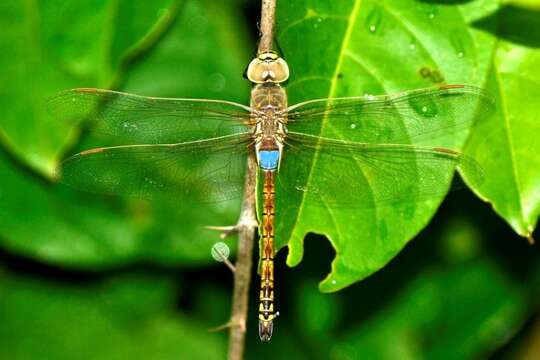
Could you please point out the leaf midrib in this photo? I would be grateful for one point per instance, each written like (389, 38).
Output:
(333, 84)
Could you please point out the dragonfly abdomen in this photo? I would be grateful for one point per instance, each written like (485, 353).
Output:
(266, 296)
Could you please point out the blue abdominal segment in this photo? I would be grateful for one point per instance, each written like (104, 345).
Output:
(268, 159)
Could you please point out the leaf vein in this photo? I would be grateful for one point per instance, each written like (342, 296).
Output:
(344, 45)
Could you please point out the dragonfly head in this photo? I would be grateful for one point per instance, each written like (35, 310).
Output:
(267, 67)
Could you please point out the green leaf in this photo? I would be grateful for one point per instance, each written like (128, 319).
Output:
(318, 313)
(130, 317)
(353, 48)
(462, 312)
(507, 147)
(53, 45)
(525, 4)
(58, 225)
(202, 56)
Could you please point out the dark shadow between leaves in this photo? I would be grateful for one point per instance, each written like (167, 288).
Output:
(514, 24)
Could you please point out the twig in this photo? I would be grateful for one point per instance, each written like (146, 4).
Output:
(247, 222)
(225, 326)
(268, 19)
(242, 275)
(224, 259)
(225, 231)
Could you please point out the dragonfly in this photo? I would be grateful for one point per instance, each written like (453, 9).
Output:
(198, 147)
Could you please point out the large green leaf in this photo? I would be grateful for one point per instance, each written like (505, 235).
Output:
(52, 45)
(74, 229)
(508, 147)
(351, 48)
(462, 312)
(127, 317)
(59, 225)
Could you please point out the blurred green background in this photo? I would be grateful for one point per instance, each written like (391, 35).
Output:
(96, 277)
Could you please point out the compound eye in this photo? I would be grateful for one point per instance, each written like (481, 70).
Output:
(267, 68)
(255, 71)
(280, 70)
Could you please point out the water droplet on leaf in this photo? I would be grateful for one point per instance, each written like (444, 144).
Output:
(424, 107)
(301, 188)
(373, 20)
(431, 12)
(457, 44)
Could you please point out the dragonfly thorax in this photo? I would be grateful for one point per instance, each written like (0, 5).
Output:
(269, 104)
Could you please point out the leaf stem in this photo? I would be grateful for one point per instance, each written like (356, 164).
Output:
(247, 222)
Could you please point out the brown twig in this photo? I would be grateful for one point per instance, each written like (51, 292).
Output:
(224, 259)
(246, 226)
(268, 20)
(247, 222)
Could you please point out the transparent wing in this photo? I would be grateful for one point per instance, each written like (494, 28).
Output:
(424, 116)
(337, 173)
(209, 171)
(148, 120)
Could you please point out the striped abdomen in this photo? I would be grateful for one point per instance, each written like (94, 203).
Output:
(266, 306)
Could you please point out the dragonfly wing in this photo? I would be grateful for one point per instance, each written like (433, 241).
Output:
(335, 173)
(148, 120)
(428, 116)
(209, 171)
